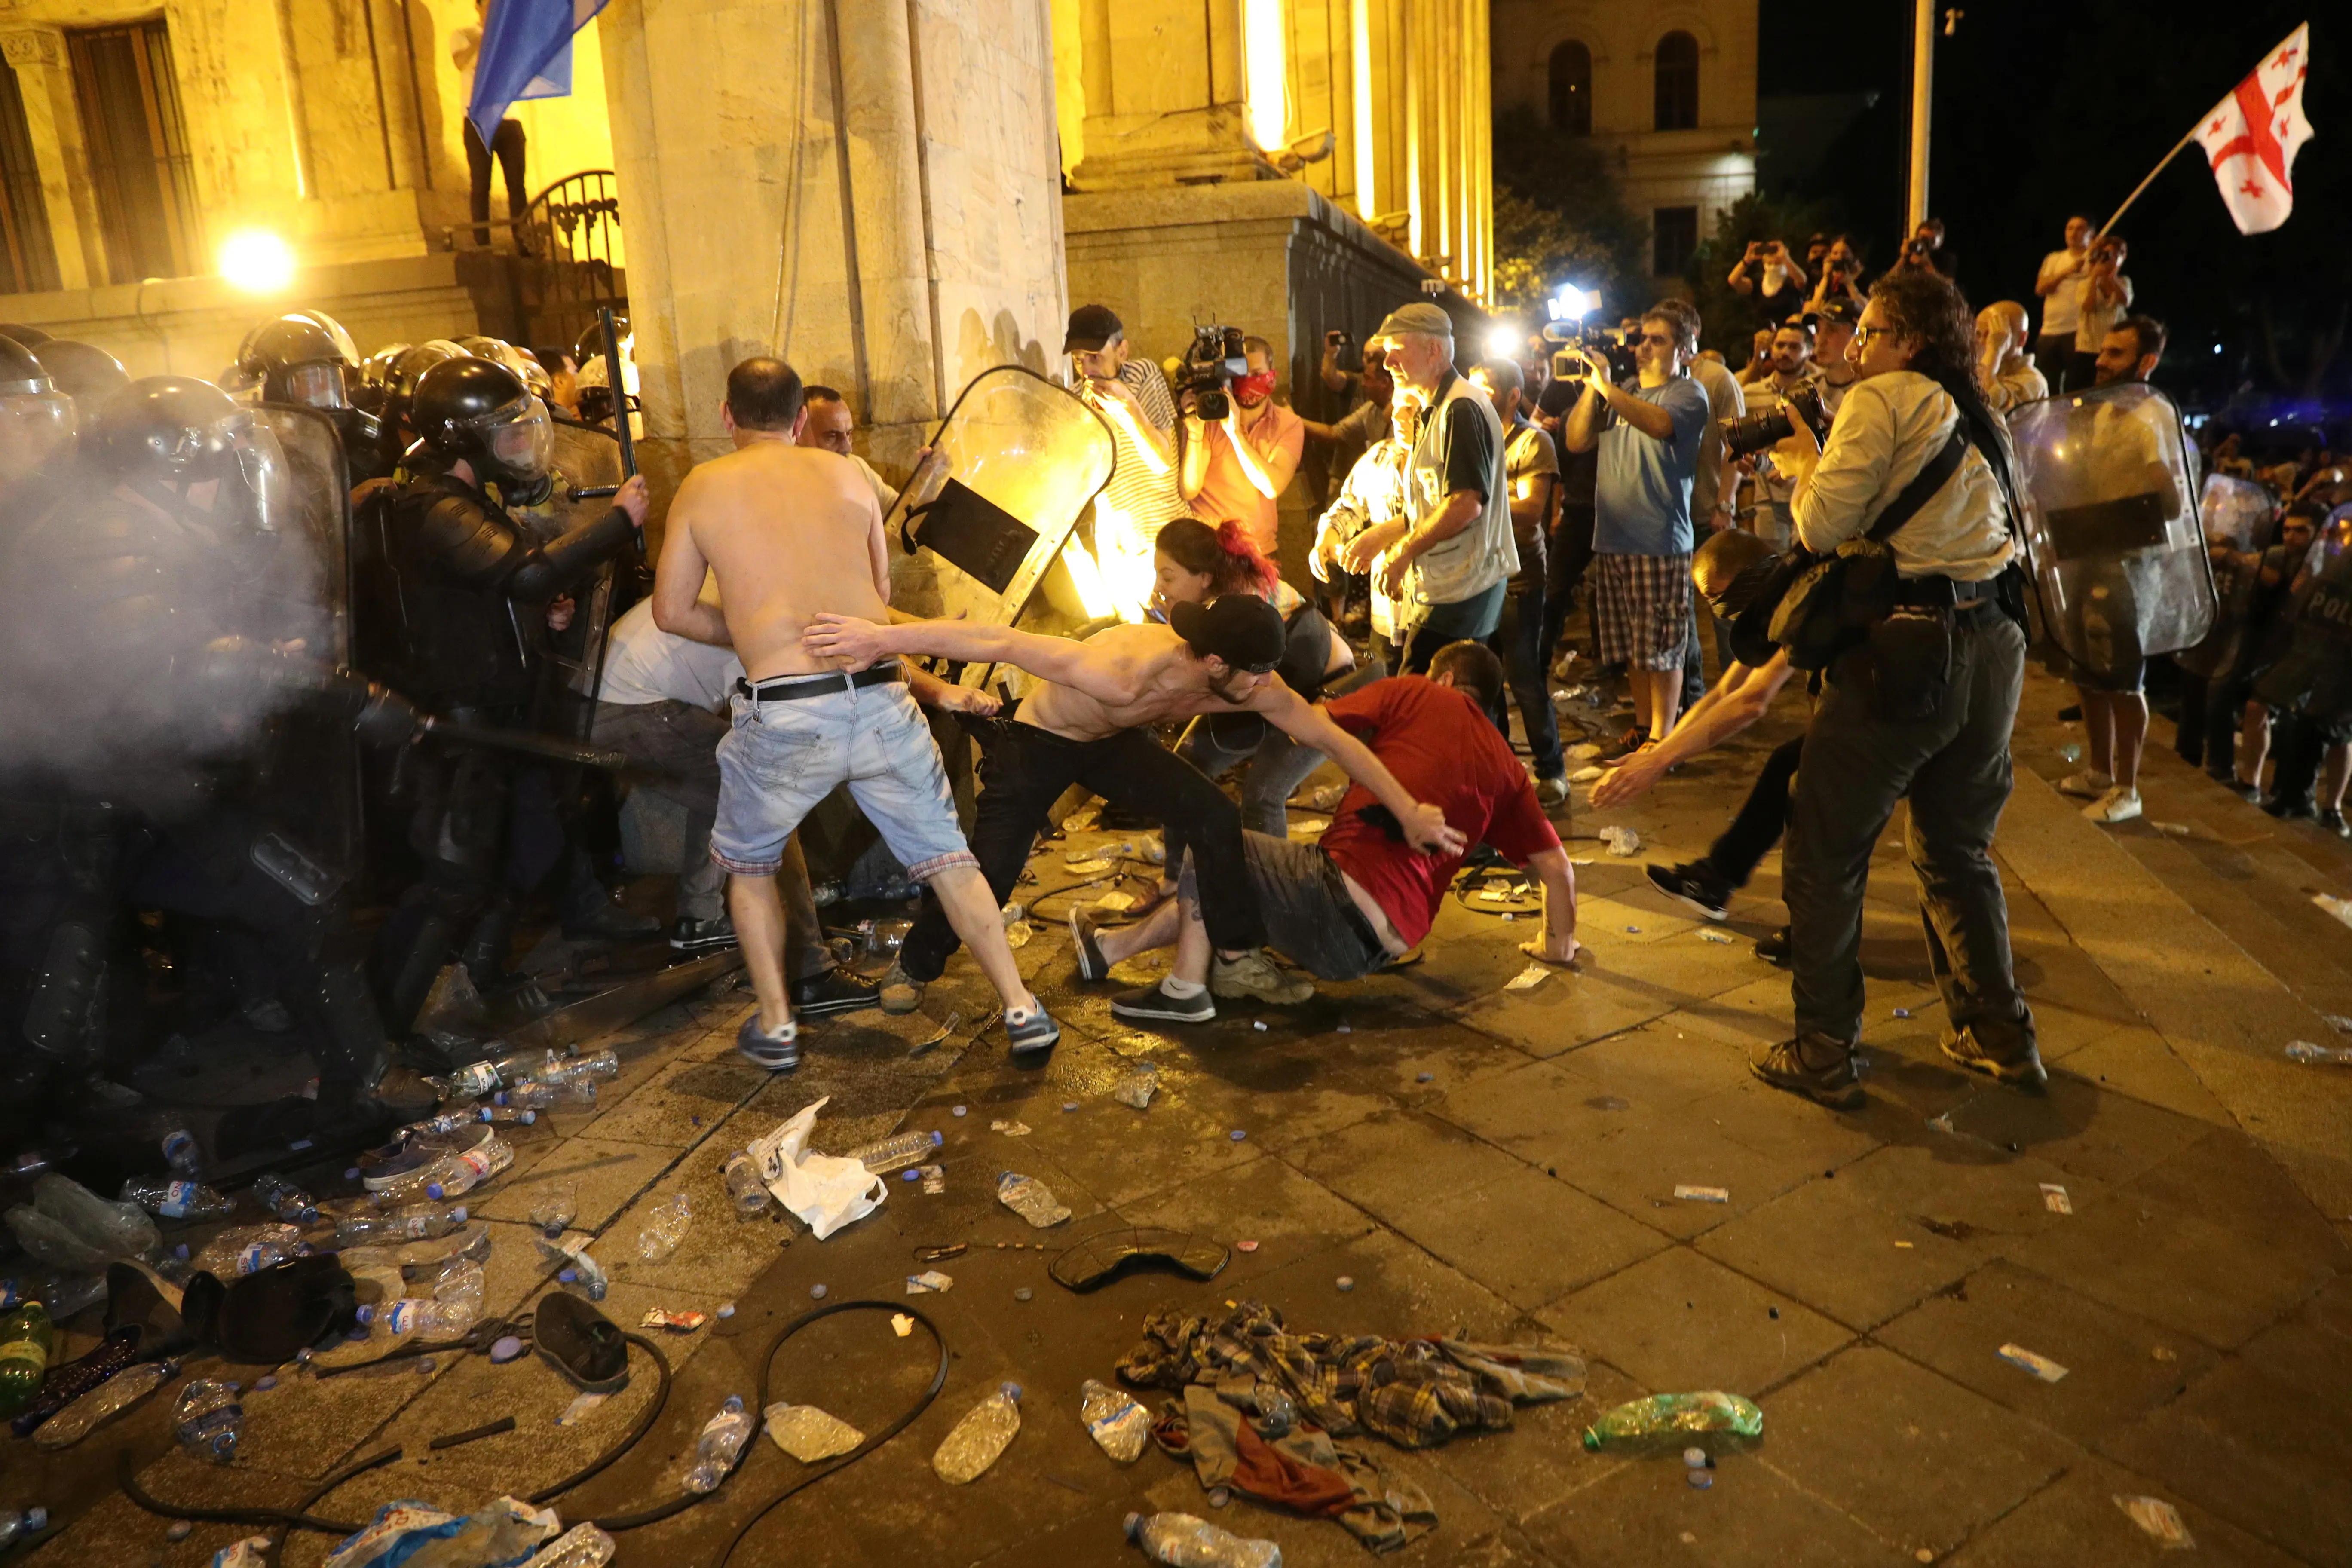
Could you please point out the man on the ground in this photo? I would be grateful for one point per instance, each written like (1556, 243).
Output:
(1237, 467)
(2012, 379)
(2059, 286)
(791, 533)
(1363, 897)
(1531, 476)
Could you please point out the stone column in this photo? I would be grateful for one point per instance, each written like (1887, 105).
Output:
(45, 82)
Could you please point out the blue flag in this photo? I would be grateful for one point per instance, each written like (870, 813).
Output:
(526, 53)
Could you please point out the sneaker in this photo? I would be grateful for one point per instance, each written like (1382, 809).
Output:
(1552, 792)
(2333, 820)
(2120, 803)
(1774, 948)
(901, 992)
(835, 991)
(1083, 928)
(2018, 1072)
(1037, 1032)
(1696, 884)
(2088, 785)
(1820, 1069)
(2238, 786)
(1619, 747)
(689, 935)
(1155, 1004)
(778, 1052)
(2292, 809)
(1253, 974)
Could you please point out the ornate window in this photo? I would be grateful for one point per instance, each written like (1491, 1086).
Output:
(1677, 66)
(1572, 88)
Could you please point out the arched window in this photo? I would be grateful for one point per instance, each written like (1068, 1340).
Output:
(1677, 82)
(1571, 89)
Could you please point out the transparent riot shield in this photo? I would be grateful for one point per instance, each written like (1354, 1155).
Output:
(1010, 471)
(2237, 515)
(587, 470)
(2314, 678)
(2112, 527)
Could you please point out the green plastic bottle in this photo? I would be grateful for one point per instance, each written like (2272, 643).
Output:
(25, 1341)
(1664, 1417)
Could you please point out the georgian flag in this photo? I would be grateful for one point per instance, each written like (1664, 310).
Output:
(2252, 137)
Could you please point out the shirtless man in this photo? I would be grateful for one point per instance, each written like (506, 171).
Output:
(1083, 725)
(791, 532)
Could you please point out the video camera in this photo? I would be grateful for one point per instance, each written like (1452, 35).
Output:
(1209, 369)
(1572, 339)
(1771, 426)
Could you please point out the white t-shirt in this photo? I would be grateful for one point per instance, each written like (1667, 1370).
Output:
(465, 53)
(2093, 322)
(646, 664)
(2060, 305)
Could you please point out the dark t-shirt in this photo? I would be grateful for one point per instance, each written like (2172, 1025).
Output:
(1443, 750)
(1469, 447)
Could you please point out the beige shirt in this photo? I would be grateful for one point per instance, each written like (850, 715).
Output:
(1724, 402)
(1889, 428)
(2017, 382)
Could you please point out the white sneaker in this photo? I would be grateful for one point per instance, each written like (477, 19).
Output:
(2089, 785)
(2120, 803)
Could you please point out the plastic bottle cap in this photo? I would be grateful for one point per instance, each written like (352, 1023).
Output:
(816, 1292)
(433, 1191)
(505, 1349)
(734, 1405)
(570, 1277)
(262, 1382)
(910, 1175)
(1011, 1391)
(458, 1214)
(181, 1250)
(938, 1137)
(1132, 1523)
(727, 1309)
(36, 1520)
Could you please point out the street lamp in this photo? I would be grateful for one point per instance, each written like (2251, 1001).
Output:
(256, 262)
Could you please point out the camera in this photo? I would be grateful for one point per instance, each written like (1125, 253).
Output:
(1759, 430)
(1605, 344)
(1209, 369)
(1918, 249)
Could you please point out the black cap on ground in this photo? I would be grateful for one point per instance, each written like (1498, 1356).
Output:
(1240, 628)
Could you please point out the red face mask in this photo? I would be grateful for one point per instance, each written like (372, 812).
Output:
(1254, 388)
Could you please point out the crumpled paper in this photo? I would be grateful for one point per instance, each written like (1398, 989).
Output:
(826, 1191)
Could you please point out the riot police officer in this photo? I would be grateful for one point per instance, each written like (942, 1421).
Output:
(297, 359)
(472, 593)
(36, 426)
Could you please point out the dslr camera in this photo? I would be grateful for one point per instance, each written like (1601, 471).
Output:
(1768, 427)
(1572, 339)
(1209, 369)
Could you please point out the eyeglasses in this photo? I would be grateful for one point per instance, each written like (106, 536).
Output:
(1861, 335)
(1659, 340)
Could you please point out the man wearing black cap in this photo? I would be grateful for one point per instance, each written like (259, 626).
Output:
(1133, 396)
(1084, 724)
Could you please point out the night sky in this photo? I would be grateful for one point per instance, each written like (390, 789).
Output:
(2042, 111)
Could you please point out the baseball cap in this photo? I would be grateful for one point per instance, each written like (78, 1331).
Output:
(1839, 310)
(1240, 628)
(1421, 316)
(1091, 327)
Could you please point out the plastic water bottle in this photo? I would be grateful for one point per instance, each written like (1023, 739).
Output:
(743, 1185)
(556, 1208)
(179, 1152)
(207, 1419)
(410, 1222)
(666, 1226)
(176, 1199)
(62, 1295)
(723, 1436)
(582, 1546)
(905, 1149)
(1030, 1198)
(517, 1066)
(1669, 1416)
(460, 1281)
(2304, 1051)
(1119, 1425)
(597, 1066)
(104, 1402)
(533, 1095)
(248, 1249)
(468, 1082)
(576, 1268)
(419, 1317)
(14, 1526)
(284, 1199)
(984, 1433)
(1181, 1541)
(498, 1110)
(26, 1342)
(453, 1175)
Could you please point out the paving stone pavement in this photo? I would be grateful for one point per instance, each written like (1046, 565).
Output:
(1504, 1164)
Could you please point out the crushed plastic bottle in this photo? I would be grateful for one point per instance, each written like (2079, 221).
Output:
(532, 1096)
(808, 1433)
(62, 1294)
(180, 1153)
(743, 1185)
(68, 1226)
(891, 1154)
(1668, 1417)
(460, 1281)
(557, 1206)
(420, 1317)
(1181, 1541)
(1030, 1198)
(2304, 1051)
(176, 1199)
(452, 1175)
(1621, 840)
(598, 1067)
(103, 1404)
(582, 1546)
(248, 1249)
(284, 1199)
(723, 1436)
(1119, 1425)
(27, 1343)
(208, 1418)
(576, 1268)
(665, 1227)
(984, 1433)
(15, 1527)
(410, 1222)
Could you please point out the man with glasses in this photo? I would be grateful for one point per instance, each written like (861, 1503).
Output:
(1648, 438)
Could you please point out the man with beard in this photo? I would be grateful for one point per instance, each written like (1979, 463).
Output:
(1085, 723)
(1238, 466)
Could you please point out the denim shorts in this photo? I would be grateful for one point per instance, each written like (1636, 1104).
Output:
(1309, 917)
(780, 759)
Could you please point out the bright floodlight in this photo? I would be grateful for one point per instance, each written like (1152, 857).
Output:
(257, 261)
(1573, 304)
(1501, 341)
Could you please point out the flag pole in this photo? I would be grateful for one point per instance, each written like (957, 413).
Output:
(2152, 173)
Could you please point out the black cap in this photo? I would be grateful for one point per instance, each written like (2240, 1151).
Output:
(1240, 628)
(1842, 311)
(1092, 327)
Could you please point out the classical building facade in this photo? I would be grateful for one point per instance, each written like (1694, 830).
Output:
(1668, 89)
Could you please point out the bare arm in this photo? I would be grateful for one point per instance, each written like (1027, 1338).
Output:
(932, 692)
(679, 608)
(1582, 431)
(1739, 280)
(1738, 701)
(1557, 945)
(1195, 471)
(1312, 726)
(1267, 471)
(1100, 673)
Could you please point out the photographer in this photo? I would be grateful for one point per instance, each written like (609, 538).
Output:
(1927, 248)
(1237, 466)
(2059, 285)
(1794, 375)
(1841, 278)
(1921, 709)
(1648, 437)
(1531, 469)
(2103, 296)
(1768, 272)
(1132, 396)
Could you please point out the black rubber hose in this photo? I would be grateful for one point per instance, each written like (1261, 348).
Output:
(651, 1413)
(293, 1518)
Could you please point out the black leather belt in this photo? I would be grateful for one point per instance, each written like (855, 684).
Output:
(799, 687)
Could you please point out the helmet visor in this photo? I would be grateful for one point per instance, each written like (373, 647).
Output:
(520, 438)
(32, 425)
(317, 385)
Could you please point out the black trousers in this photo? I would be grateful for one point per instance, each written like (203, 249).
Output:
(1763, 817)
(1024, 770)
(508, 146)
(1565, 563)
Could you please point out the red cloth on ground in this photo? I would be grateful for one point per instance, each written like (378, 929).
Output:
(1265, 1472)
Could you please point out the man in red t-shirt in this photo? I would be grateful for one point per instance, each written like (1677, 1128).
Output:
(1364, 896)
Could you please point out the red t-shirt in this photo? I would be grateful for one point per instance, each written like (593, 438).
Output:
(1441, 746)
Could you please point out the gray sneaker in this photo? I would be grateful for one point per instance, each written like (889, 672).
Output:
(1037, 1032)
(1154, 1004)
(2024, 1071)
(901, 992)
(1253, 975)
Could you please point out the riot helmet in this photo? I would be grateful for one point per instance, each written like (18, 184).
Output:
(534, 376)
(333, 329)
(591, 342)
(481, 412)
(29, 337)
(35, 418)
(83, 371)
(295, 359)
(375, 371)
(407, 368)
(169, 437)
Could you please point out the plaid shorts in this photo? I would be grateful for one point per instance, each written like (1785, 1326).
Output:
(1641, 608)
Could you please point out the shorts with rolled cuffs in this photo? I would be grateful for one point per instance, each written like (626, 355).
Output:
(1641, 608)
